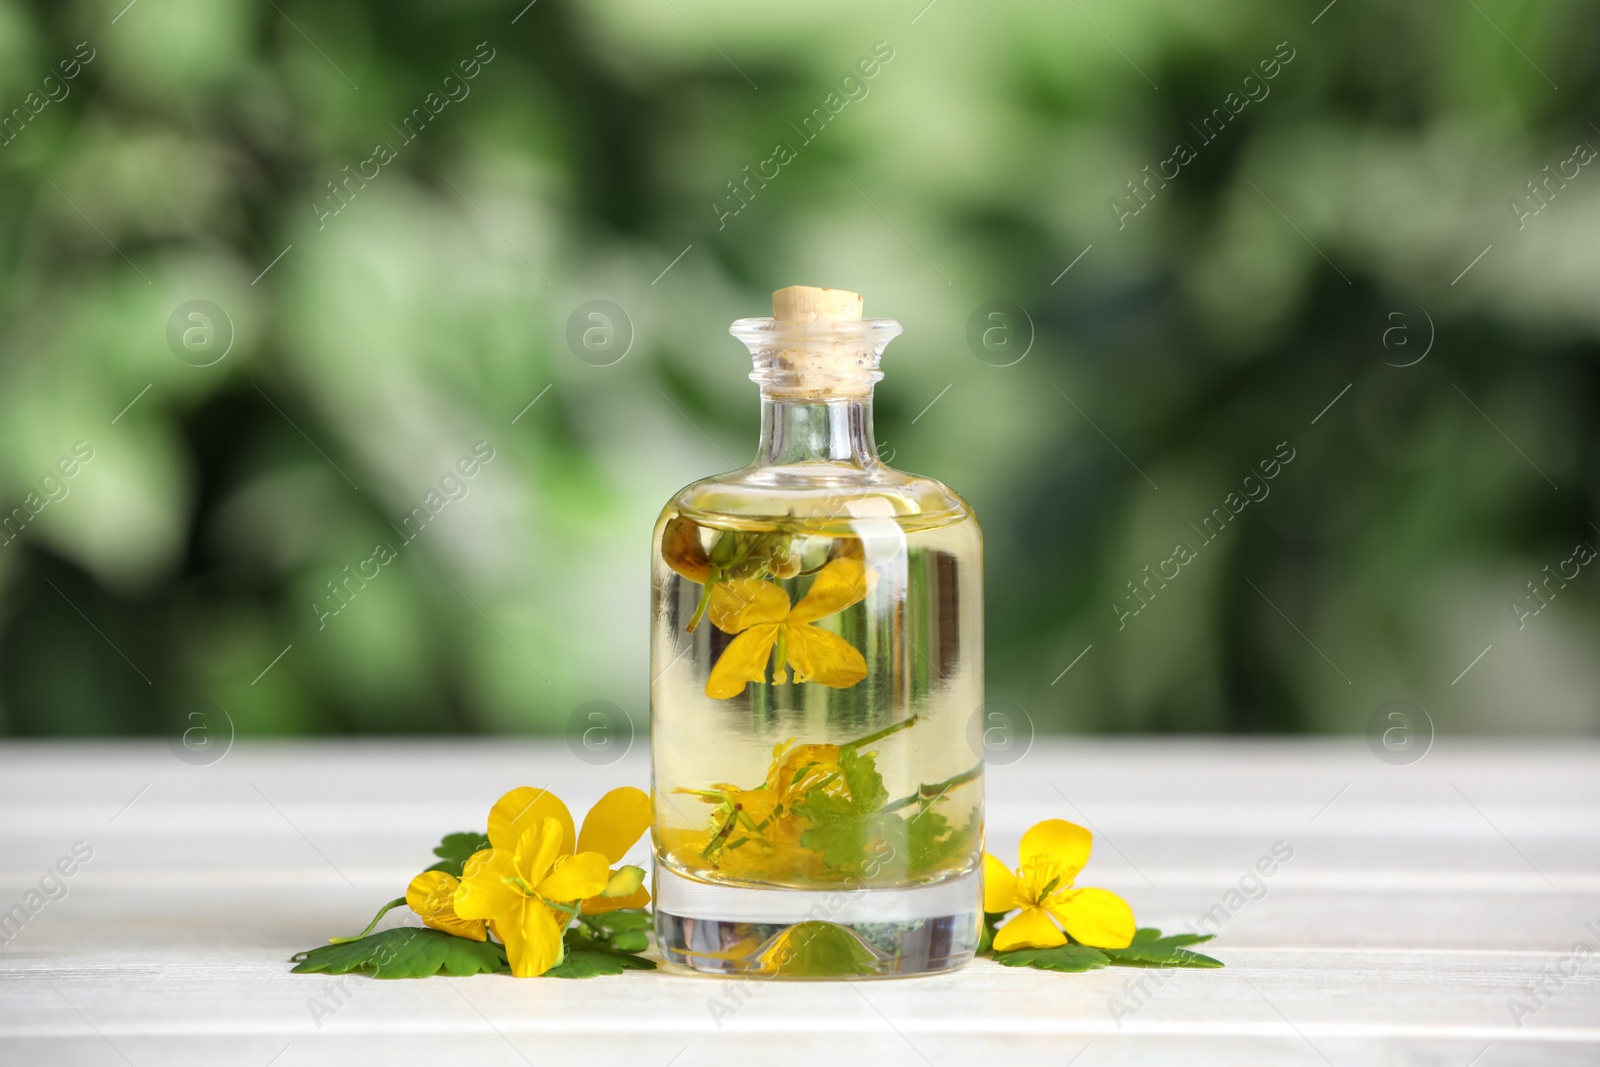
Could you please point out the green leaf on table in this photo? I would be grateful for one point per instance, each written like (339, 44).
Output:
(626, 929)
(583, 963)
(1149, 935)
(588, 957)
(1150, 949)
(621, 920)
(1061, 958)
(629, 940)
(405, 952)
(456, 849)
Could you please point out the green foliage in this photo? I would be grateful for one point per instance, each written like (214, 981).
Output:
(588, 958)
(599, 945)
(607, 947)
(843, 825)
(867, 793)
(931, 842)
(397, 902)
(631, 919)
(456, 849)
(580, 962)
(405, 952)
(626, 930)
(991, 923)
(851, 831)
(1149, 949)
(738, 554)
(1196, 334)
(1060, 958)
(817, 949)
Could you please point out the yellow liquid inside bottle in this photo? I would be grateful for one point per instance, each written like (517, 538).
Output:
(817, 656)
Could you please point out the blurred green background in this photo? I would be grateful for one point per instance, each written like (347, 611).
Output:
(378, 312)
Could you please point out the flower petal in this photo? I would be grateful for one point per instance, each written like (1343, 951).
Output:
(838, 585)
(999, 887)
(624, 882)
(526, 807)
(1031, 928)
(532, 939)
(744, 660)
(538, 852)
(846, 548)
(600, 905)
(745, 602)
(483, 892)
(799, 769)
(815, 655)
(432, 895)
(575, 878)
(1054, 850)
(1095, 917)
(682, 550)
(615, 823)
(428, 889)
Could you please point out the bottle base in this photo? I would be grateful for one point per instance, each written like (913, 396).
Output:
(843, 933)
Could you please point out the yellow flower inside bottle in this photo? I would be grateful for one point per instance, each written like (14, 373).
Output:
(816, 661)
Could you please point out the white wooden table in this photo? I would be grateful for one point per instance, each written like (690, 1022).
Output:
(1419, 904)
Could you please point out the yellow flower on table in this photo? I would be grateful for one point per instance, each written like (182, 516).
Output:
(432, 895)
(531, 880)
(759, 612)
(1052, 854)
(612, 827)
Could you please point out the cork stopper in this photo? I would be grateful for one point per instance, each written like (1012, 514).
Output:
(817, 346)
(805, 303)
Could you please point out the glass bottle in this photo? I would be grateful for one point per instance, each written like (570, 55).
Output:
(817, 665)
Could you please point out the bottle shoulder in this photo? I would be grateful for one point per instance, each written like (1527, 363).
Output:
(820, 495)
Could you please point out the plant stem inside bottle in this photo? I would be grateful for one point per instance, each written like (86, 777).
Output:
(813, 712)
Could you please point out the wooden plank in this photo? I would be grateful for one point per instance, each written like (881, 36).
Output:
(1419, 902)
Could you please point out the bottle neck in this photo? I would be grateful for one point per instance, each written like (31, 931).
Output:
(816, 431)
